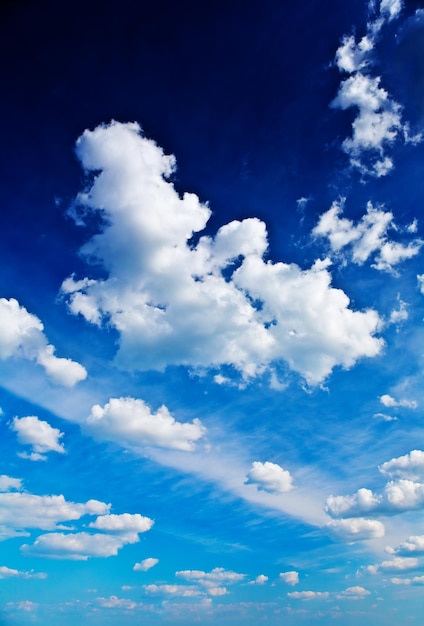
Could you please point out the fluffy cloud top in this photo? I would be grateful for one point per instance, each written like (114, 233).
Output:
(21, 334)
(77, 546)
(211, 579)
(291, 578)
(398, 564)
(174, 590)
(39, 435)
(20, 510)
(126, 524)
(308, 595)
(407, 466)
(131, 423)
(414, 544)
(368, 237)
(177, 298)
(391, 402)
(398, 496)
(355, 529)
(145, 565)
(7, 483)
(270, 477)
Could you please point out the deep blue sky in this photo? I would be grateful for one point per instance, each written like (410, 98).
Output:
(281, 333)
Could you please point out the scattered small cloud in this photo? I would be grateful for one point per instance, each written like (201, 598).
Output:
(269, 477)
(145, 565)
(291, 578)
(38, 434)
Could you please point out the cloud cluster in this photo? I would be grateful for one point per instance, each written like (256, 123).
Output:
(354, 529)
(21, 335)
(398, 564)
(39, 435)
(367, 238)
(378, 122)
(178, 298)
(212, 581)
(270, 477)
(409, 466)
(291, 578)
(130, 423)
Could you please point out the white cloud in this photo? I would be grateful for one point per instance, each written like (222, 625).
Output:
(78, 546)
(420, 278)
(259, 580)
(113, 602)
(174, 590)
(270, 477)
(131, 423)
(354, 529)
(352, 56)
(412, 544)
(7, 483)
(365, 238)
(21, 335)
(126, 524)
(353, 593)
(416, 580)
(407, 466)
(398, 496)
(145, 565)
(39, 435)
(291, 578)
(211, 579)
(20, 511)
(390, 8)
(7, 572)
(308, 595)
(398, 564)
(206, 304)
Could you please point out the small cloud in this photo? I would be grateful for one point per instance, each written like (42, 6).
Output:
(354, 529)
(259, 580)
(389, 401)
(291, 578)
(308, 595)
(145, 565)
(39, 435)
(269, 477)
(398, 564)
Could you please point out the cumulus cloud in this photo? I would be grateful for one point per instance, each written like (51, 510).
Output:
(410, 466)
(130, 422)
(354, 529)
(77, 546)
(398, 564)
(39, 435)
(21, 335)
(212, 579)
(368, 237)
(389, 401)
(398, 496)
(145, 565)
(291, 578)
(127, 524)
(353, 593)
(185, 591)
(416, 580)
(113, 602)
(20, 511)
(270, 477)
(178, 298)
(414, 544)
(308, 595)
(378, 122)
(7, 483)
(259, 580)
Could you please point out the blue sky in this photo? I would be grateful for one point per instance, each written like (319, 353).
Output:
(211, 309)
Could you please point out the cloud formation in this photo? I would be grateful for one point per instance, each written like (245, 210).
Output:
(39, 435)
(21, 335)
(130, 423)
(145, 565)
(409, 466)
(291, 578)
(355, 529)
(178, 298)
(367, 238)
(270, 477)
(77, 546)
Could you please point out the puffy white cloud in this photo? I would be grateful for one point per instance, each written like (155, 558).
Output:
(416, 580)
(77, 546)
(353, 593)
(259, 580)
(407, 466)
(113, 602)
(145, 565)
(179, 299)
(270, 477)
(398, 496)
(174, 590)
(21, 335)
(213, 578)
(7, 572)
(365, 238)
(126, 524)
(291, 578)
(398, 564)
(355, 529)
(308, 595)
(39, 435)
(352, 56)
(7, 483)
(131, 423)
(389, 401)
(20, 511)
(412, 544)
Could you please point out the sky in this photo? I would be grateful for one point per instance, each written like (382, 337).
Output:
(211, 308)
